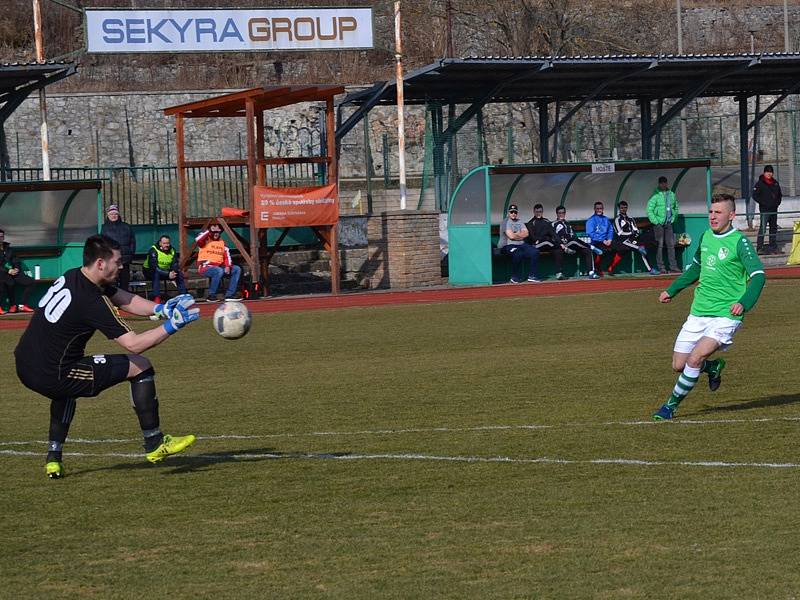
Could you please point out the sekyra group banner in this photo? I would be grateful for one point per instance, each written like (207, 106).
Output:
(218, 30)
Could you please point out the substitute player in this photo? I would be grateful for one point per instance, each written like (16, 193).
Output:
(724, 262)
(50, 355)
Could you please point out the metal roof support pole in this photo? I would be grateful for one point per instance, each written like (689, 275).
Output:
(5, 159)
(374, 95)
(455, 124)
(763, 113)
(753, 160)
(439, 175)
(556, 131)
(589, 96)
(744, 171)
(657, 129)
(647, 139)
(479, 131)
(543, 131)
(697, 90)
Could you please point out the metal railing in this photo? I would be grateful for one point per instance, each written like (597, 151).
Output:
(149, 195)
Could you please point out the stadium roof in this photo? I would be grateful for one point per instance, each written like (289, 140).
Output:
(17, 80)
(564, 78)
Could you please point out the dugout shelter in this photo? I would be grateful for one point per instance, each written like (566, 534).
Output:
(246, 226)
(47, 222)
(481, 199)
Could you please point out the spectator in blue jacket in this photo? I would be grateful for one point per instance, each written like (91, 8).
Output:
(600, 230)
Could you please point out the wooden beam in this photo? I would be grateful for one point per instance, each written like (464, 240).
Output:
(187, 258)
(294, 160)
(262, 241)
(215, 101)
(333, 177)
(195, 222)
(183, 197)
(236, 240)
(233, 105)
(334, 250)
(262, 168)
(255, 265)
(229, 112)
(215, 163)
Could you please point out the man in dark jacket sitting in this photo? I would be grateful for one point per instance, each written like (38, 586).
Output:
(543, 237)
(767, 193)
(122, 233)
(11, 276)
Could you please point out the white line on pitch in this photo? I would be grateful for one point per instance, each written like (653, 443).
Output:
(676, 423)
(432, 457)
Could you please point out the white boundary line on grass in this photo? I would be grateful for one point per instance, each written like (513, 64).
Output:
(476, 429)
(432, 457)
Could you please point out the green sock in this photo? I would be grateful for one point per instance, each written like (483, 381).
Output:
(685, 383)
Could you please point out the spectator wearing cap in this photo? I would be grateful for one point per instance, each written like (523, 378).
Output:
(512, 243)
(662, 210)
(119, 231)
(767, 193)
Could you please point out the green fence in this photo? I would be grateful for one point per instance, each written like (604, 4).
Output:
(149, 195)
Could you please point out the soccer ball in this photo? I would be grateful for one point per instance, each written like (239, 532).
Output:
(232, 320)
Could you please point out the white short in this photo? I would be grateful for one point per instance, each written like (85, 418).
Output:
(716, 328)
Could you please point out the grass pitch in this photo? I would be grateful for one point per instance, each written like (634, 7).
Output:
(496, 449)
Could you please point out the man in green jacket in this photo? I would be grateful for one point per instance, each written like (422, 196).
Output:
(662, 210)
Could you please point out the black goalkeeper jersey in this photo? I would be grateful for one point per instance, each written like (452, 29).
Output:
(67, 316)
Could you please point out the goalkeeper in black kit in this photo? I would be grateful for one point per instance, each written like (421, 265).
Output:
(50, 355)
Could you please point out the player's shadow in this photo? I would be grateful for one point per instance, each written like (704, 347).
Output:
(766, 402)
(190, 463)
(199, 462)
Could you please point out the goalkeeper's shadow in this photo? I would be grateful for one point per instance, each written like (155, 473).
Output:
(191, 463)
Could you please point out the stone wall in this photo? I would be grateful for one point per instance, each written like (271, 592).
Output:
(124, 129)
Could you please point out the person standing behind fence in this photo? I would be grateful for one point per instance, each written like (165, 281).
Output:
(767, 193)
(662, 210)
(512, 243)
(122, 233)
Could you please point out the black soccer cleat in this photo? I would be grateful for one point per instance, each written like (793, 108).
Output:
(715, 375)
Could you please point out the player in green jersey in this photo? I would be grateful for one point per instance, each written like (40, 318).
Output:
(724, 262)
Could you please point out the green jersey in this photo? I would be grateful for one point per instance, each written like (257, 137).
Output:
(727, 261)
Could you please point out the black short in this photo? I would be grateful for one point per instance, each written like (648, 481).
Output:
(84, 378)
